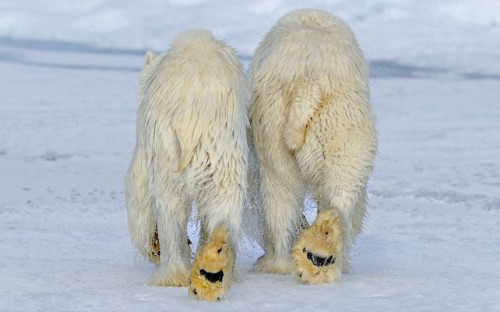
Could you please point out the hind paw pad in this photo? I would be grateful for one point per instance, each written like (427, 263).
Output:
(316, 252)
(212, 268)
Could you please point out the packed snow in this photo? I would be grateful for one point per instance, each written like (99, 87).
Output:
(68, 78)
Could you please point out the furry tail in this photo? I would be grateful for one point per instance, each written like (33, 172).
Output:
(304, 104)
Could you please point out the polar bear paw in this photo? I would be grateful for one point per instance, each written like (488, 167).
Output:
(212, 268)
(317, 255)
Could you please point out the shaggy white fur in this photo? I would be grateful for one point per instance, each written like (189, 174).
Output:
(191, 147)
(313, 130)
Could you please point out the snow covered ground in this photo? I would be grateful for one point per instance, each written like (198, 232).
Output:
(68, 77)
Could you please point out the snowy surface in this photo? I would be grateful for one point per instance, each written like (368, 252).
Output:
(68, 77)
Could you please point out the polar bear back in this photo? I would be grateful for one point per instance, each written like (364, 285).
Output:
(309, 64)
(314, 43)
(192, 117)
(310, 90)
(194, 76)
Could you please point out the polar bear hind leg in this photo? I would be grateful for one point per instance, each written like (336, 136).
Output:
(141, 220)
(342, 191)
(172, 213)
(283, 196)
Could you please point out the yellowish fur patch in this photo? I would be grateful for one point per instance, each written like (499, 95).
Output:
(212, 268)
(154, 248)
(316, 256)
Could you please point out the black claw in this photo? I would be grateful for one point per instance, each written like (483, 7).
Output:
(219, 250)
(195, 292)
(300, 274)
(330, 260)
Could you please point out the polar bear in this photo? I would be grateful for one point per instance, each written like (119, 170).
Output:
(313, 131)
(191, 148)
